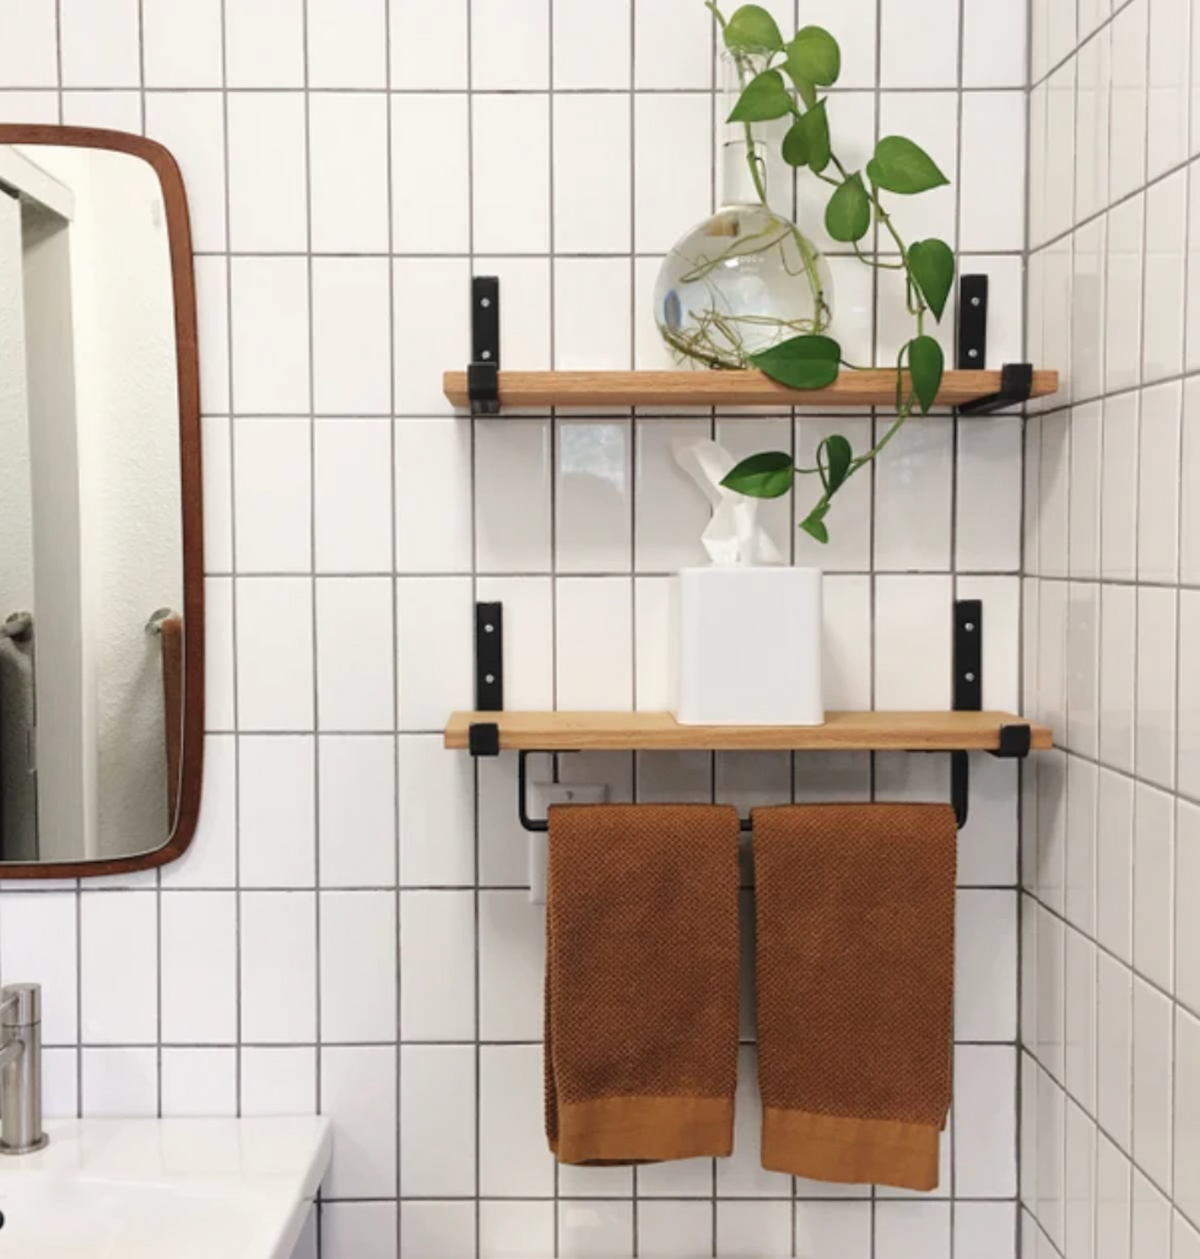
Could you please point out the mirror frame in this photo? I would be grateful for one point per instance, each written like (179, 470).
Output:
(179, 236)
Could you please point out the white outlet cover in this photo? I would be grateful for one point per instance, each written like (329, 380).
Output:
(541, 797)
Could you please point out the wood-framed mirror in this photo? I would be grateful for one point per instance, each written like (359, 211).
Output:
(101, 512)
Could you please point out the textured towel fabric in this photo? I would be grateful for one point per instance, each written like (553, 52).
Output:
(855, 982)
(641, 982)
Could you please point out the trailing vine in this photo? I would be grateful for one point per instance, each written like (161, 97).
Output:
(781, 80)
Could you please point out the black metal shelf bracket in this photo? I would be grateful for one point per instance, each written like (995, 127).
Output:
(1016, 379)
(483, 372)
(1015, 742)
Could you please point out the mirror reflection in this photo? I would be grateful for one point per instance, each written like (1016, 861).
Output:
(91, 554)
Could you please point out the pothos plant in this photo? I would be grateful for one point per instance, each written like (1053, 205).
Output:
(781, 80)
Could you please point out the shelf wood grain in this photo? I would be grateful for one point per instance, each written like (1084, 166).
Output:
(722, 389)
(842, 732)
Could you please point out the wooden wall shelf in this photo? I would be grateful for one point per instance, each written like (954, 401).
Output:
(536, 390)
(842, 732)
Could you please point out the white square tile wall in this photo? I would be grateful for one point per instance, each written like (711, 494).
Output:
(351, 933)
(1109, 1164)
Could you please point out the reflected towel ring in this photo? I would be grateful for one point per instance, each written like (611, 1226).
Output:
(155, 623)
(18, 627)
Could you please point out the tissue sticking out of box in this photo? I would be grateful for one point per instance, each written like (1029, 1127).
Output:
(734, 536)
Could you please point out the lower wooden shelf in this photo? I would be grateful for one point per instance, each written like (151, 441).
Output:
(842, 732)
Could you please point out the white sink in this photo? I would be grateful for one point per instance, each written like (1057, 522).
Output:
(149, 1188)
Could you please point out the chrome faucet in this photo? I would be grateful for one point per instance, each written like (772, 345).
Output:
(21, 1069)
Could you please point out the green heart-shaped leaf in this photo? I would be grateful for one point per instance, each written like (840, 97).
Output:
(753, 29)
(931, 264)
(848, 214)
(767, 475)
(814, 56)
(814, 523)
(927, 363)
(816, 131)
(802, 362)
(765, 98)
(795, 144)
(903, 167)
(835, 457)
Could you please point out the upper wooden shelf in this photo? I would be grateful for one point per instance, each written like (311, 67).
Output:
(718, 389)
(842, 732)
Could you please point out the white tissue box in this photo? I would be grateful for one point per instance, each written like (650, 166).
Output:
(746, 647)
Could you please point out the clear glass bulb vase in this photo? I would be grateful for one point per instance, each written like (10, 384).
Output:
(747, 278)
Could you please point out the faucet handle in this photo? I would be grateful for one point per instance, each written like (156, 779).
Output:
(20, 1005)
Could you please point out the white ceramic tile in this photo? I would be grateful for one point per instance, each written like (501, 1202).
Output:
(1081, 1020)
(1113, 1201)
(1087, 436)
(217, 487)
(199, 968)
(1123, 291)
(99, 43)
(116, 108)
(30, 54)
(988, 496)
(594, 498)
(986, 1230)
(1114, 865)
(1192, 313)
(516, 1230)
(833, 1228)
(510, 46)
(513, 474)
(1187, 931)
(525, 329)
(437, 966)
(264, 44)
(1051, 1174)
(199, 1082)
(272, 495)
(594, 628)
(514, 1160)
(1049, 994)
(437, 815)
(276, 811)
(1118, 645)
(993, 200)
(428, 46)
(416, 226)
(913, 497)
(1189, 557)
(595, 1182)
(277, 951)
(592, 314)
(592, 46)
(1051, 868)
(350, 336)
(686, 1178)
(1038, 106)
(181, 47)
(528, 638)
(1057, 305)
(1167, 100)
(1093, 85)
(39, 945)
(430, 319)
(358, 1092)
(512, 949)
(847, 667)
(1153, 1052)
(670, 512)
(671, 48)
(435, 630)
(504, 223)
(347, 43)
(1185, 1239)
(119, 1082)
(192, 126)
(1151, 1218)
(589, 1230)
(985, 1137)
(673, 148)
(1082, 802)
(352, 495)
(1060, 147)
(910, 61)
(357, 811)
(1083, 658)
(1157, 613)
(986, 948)
(209, 860)
(1127, 155)
(355, 651)
(753, 1228)
(1079, 1182)
(1158, 498)
(1153, 885)
(1114, 1060)
(674, 1230)
(119, 972)
(925, 115)
(433, 497)
(279, 1081)
(358, 937)
(269, 311)
(912, 642)
(1088, 280)
(912, 1230)
(591, 163)
(274, 653)
(1186, 1114)
(268, 205)
(1054, 503)
(368, 1230)
(1165, 275)
(850, 522)
(348, 152)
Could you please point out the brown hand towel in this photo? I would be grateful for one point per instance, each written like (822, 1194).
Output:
(641, 982)
(855, 983)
